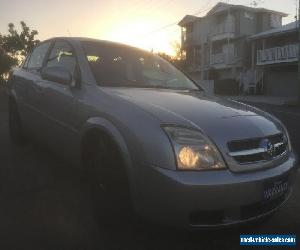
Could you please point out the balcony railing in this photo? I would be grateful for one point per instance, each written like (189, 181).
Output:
(223, 59)
(287, 53)
(227, 27)
(218, 58)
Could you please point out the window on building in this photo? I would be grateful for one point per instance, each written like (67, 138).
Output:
(220, 19)
(217, 48)
(249, 15)
(183, 34)
(198, 56)
(275, 21)
(189, 28)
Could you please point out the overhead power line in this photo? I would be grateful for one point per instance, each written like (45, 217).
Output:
(175, 23)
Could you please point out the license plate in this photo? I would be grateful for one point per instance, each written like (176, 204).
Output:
(275, 189)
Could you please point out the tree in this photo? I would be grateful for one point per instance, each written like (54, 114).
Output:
(178, 60)
(15, 45)
(177, 48)
(165, 56)
(177, 57)
(19, 44)
(6, 61)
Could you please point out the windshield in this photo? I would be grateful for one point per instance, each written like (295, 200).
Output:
(122, 66)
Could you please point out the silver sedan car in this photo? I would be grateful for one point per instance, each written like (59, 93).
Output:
(152, 140)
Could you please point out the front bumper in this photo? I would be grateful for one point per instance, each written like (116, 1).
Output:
(208, 199)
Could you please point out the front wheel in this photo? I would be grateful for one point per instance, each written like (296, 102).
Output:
(108, 181)
(15, 125)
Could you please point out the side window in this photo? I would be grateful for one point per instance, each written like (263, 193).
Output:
(62, 55)
(37, 56)
(25, 64)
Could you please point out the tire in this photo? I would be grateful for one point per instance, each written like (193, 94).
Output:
(15, 125)
(108, 181)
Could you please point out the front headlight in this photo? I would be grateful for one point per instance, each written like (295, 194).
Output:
(193, 150)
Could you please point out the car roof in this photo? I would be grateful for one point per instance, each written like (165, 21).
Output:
(86, 39)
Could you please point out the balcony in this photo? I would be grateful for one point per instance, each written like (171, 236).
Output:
(224, 60)
(287, 53)
(218, 58)
(189, 40)
(223, 31)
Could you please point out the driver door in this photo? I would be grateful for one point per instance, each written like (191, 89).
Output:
(60, 102)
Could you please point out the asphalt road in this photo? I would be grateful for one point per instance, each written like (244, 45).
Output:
(44, 204)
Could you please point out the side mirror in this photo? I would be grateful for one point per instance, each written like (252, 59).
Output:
(57, 74)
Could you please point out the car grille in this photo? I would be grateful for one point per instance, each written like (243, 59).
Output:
(258, 149)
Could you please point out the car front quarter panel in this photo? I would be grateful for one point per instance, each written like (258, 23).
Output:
(146, 144)
(136, 148)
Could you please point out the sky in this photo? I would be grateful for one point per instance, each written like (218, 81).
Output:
(136, 22)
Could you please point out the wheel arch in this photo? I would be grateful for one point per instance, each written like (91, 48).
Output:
(102, 125)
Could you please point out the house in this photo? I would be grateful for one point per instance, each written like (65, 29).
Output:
(215, 46)
(274, 61)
